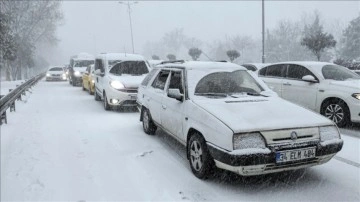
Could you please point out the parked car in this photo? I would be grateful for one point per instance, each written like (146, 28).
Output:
(88, 82)
(230, 119)
(332, 90)
(254, 66)
(55, 74)
(117, 78)
(78, 65)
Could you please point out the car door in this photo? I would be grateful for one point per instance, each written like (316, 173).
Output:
(99, 86)
(155, 94)
(86, 77)
(273, 76)
(172, 116)
(297, 90)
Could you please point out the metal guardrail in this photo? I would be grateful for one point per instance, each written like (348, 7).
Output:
(8, 101)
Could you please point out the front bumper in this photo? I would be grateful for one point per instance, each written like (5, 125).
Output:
(263, 163)
(55, 78)
(122, 98)
(355, 111)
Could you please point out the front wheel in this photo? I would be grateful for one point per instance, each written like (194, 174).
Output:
(337, 111)
(201, 162)
(148, 124)
(83, 87)
(90, 90)
(106, 104)
(97, 96)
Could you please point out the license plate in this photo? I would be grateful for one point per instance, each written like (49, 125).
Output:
(295, 155)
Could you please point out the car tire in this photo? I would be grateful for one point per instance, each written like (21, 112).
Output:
(148, 125)
(97, 96)
(337, 111)
(83, 87)
(90, 91)
(106, 104)
(201, 162)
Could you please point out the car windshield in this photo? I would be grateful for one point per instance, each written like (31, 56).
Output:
(83, 63)
(338, 73)
(227, 83)
(130, 67)
(113, 62)
(56, 69)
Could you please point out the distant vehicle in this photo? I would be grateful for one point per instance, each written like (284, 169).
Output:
(117, 78)
(329, 89)
(228, 118)
(153, 63)
(88, 82)
(55, 74)
(78, 65)
(254, 66)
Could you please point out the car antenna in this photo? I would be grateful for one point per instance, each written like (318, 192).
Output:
(207, 56)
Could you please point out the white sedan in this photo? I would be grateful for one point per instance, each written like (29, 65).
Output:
(227, 117)
(332, 90)
(55, 74)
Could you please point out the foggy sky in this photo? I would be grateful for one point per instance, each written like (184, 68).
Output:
(103, 26)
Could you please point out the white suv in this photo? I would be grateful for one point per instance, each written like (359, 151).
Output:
(117, 77)
(329, 89)
(229, 118)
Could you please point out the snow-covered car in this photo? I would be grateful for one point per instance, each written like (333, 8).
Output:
(117, 78)
(78, 65)
(229, 118)
(153, 63)
(55, 74)
(88, 80)
(326, 88)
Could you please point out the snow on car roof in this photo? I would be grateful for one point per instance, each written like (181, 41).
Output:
(204, 65)
(83, 56)
(120, 56)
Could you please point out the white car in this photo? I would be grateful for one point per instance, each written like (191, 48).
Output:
(55, 74)
(229, 118)
(254, 66)
(117, 78)
(326, 88)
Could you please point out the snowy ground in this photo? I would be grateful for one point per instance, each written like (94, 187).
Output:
(6, 85)
(62, 145)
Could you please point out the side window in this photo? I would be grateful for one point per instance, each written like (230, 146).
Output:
(250, 67)
(99, 65)
(297, 72)
(276, 71)
(148, 77)
(160, 80)
(262, 71)
(176, 81)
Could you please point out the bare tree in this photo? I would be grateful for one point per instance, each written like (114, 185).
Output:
(232, 54)
(171, 57)
(195, 53)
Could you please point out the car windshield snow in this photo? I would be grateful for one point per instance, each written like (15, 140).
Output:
(56, 69)
(130, 67)
(339, 73)
(228, 83)
(83, 63)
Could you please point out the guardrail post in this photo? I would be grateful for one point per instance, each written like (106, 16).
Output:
(12, 106)
(19, 98)
(3, 115)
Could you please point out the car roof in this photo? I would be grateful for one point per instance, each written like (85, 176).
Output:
(120, 56)
(313, 64)
(200, 65)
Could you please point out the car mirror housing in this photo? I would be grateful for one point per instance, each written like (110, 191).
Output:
(309, 78)
(175, 93)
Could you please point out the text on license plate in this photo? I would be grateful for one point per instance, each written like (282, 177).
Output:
(295, 155)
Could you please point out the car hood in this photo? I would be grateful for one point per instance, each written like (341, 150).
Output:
(261, 113)
(129, 81)
(55, 72)
(80, 69)
(348, 83)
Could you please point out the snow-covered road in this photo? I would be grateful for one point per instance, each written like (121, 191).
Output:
(62, 145)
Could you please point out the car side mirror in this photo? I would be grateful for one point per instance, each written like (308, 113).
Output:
(175, 93)
(99, 73)
(309, 78)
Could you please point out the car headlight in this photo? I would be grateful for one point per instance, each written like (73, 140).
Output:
(356, 96)
(117, 85)
(93, 81)
(248, 140)
(47, 74)
(329, 133)
(77, 73)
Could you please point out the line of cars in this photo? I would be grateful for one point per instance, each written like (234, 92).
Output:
(226, 116)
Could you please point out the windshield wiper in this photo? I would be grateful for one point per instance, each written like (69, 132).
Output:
(212, 94)
(255, 94)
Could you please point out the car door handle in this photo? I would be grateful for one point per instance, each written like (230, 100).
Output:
(287, 84)
(163, 106)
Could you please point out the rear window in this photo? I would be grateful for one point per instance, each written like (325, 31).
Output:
(130, 67)
(56, 69)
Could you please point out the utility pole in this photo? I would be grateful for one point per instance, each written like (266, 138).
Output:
(128, 4)
(263, 32)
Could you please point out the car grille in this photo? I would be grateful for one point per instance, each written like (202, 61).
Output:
(283, 137)
(129, 103)
(55, 74)
(130, 90)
